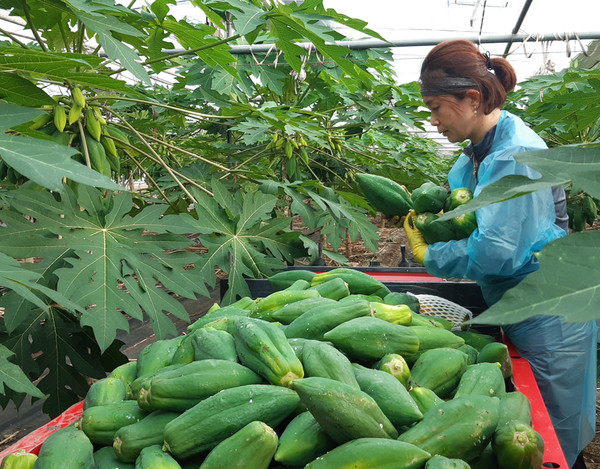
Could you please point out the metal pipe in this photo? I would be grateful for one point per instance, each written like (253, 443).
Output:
(362, 44)
(515, 30)
(376, 43)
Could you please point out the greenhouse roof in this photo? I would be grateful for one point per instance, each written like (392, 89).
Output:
(536, 36)
(540, 26)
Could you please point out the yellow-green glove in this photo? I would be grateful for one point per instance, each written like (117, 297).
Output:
(417, 243)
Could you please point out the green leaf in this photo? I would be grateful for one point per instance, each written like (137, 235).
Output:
(253, 130)
(21, 91)
(47, 64)
(13, 377)
(69, 355)
(104, 26)
(579, 164)
(558, 166)
(206, 46)
(506, 188)
(27, 292)
(96, 80)
(211, 14)
(76, 68)
(333, 215)
(127, 57)
(241, 235)
(567, 284)
(44, 162)
(248, 18)
(97, 6)
(22, 281)
(290, 29)
(335, 256)
(111, 249)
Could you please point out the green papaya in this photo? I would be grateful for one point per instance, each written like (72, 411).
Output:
(302, 440)
(345, 412)
(384, 194)
(251, 447)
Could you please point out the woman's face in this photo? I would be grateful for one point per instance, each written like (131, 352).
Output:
(454, 118)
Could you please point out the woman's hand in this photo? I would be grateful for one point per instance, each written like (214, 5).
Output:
(417, 243)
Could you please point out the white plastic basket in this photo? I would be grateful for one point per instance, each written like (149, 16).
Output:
(436, 306)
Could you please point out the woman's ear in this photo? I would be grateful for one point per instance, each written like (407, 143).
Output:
(474, 98)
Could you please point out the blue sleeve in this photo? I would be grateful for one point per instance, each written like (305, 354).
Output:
(508, 232)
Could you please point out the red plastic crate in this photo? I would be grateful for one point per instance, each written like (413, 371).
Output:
(33, 442)
(525, 383)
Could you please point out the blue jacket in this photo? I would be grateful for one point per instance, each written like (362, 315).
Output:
(498, 255)
(500, 252)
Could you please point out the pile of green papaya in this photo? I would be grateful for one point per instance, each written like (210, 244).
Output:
(332, 370)
(430, 201)
(427, 201)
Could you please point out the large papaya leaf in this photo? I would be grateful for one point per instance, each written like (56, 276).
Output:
(567, 284)
(205, 44)
(568, 280)
(56, 353)
(42, 161)
(44, 64)
(23, 283)
(111, 249)
(104, 26)
(329, 212)
(290, 24)
(558, 166)
(241, 235)
(81, 69)
(576, 163)
(19, 90)
(13, 377)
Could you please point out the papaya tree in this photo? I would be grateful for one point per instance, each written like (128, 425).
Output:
(228, 152)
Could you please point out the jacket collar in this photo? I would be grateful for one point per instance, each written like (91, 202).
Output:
(477, 152)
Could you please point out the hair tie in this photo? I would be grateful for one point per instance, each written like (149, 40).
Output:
(488, 61)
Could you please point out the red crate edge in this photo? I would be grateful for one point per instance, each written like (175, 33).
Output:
(525, 383)
(32, 442)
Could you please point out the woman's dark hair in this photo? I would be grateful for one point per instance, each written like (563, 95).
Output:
(453, 67)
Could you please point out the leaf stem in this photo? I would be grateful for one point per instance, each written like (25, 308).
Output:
(187, 153)
(13, 38)
(152, 181)
(78, 47)
(32, 26)
(63, 34)
(157, 158)
(366, 155)
(182, 53)
(157, 104)
(154, 160)
(86, 152)
(192, 51)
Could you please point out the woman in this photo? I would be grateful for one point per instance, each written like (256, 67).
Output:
(465, 90)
